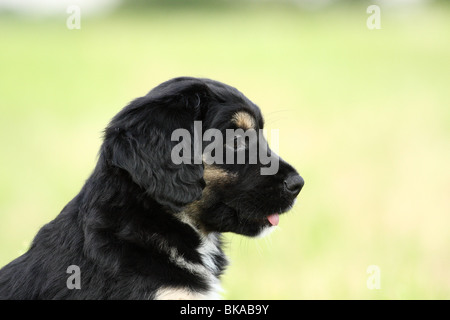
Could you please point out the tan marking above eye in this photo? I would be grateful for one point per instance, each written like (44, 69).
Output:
(244, 120)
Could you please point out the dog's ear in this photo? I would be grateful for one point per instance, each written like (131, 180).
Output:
(138, 140)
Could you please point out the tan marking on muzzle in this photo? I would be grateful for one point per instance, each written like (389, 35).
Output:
(213, 176)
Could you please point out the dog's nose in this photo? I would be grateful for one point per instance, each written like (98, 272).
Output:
(294, 184)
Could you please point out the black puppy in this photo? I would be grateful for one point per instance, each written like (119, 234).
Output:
(144, 227)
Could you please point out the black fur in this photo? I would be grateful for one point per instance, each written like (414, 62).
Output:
(124, 226)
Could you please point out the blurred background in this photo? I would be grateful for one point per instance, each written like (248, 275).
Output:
(363, 114)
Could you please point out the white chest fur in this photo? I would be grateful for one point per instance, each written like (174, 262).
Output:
(208, 270)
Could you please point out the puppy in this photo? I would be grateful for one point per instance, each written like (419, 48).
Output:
(146, 227)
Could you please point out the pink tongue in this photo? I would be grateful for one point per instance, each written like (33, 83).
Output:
(274, 219)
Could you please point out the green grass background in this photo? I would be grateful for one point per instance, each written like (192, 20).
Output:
(364, 115)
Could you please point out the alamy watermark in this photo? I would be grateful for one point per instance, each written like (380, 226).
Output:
(374, 279)
(73, 21)
(74, 280)
(241, 147)
(374, 20)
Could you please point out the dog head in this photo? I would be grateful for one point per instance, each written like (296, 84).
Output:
(219, 174)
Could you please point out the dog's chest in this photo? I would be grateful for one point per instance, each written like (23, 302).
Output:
(213, 261)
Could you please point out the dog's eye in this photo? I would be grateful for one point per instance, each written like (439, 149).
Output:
(237, 144)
